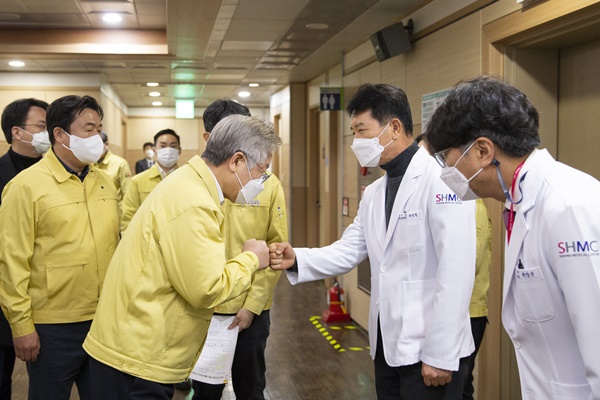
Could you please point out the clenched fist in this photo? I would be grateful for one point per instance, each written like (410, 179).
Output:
(283, 256)
(258, 247)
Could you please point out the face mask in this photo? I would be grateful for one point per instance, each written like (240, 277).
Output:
(456, 181)
(39, 141)
(368, 151)
(87, 150)
(167, 156)
(250, 190)
(149, 154)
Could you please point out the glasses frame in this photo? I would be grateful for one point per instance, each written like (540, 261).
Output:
(265, 175)
(43, 127)
(440, 157)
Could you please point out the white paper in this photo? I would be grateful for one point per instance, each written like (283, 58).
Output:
(214, 364)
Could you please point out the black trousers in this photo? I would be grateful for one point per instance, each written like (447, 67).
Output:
(61, 362)
(406, 382)
(248, 369)
(110, 383)
(478, 325)
(7, 365)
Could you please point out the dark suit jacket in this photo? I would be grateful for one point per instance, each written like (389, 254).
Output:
(141, 166)
(7, 172)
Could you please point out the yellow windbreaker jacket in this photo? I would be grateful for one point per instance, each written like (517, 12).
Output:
(139, 188)
(118, 169)
(264, 219)
(479, 299)
(57, 236)
(165, 279)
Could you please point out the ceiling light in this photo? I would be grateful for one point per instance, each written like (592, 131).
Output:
(157, 103)
(244, 94)
(316, 26)
(154, 94)
(253, 85)
(152, 84)
(16, 63)
(112, 18)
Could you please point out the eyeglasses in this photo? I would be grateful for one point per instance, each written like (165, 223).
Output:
(440, 157)
(41, 127)
(265, 175)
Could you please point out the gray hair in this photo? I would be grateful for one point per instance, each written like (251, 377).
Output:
(252, 136)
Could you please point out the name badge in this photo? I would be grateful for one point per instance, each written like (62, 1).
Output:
(410, 216)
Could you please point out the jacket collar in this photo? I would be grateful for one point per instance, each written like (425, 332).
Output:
(207, 176)
(409, 183)
(56, 167)
(536, 167)
(153, 171)
(106, 159)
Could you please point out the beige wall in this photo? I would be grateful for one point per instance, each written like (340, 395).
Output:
(579, 106)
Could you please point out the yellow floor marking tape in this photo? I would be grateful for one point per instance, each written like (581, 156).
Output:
(315, 321)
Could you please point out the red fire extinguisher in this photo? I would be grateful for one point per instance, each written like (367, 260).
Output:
(337, 310)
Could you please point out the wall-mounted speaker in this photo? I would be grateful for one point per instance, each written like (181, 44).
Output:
(393, 40)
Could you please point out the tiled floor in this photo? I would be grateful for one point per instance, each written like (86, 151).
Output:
(304, 361)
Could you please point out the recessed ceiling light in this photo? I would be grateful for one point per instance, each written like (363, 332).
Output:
(154, 94)
(112, 18)
(244, 94)
(253, 85)
(152, 84)
(16, 63)
(317, 26)
(157, 103)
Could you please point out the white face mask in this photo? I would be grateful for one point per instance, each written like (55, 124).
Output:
(250, 190)
(457, 182)
(167, 156)
(40, 141)
(149, 154)
(87, 150)
(368, 151)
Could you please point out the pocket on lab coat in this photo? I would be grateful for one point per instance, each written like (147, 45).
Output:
(532, 296)
(416, 307)
(563, 391)
(409, 235)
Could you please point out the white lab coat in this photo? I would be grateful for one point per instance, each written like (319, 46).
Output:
(551, 305)
(422, 266)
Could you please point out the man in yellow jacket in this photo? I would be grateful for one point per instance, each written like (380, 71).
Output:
(265, 218)
(116, 167)
(170, 270)
(59, 227)
(168, 148)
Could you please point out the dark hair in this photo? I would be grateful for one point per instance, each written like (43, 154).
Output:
(220, 109)
(419, 138)
(104, 137)
(63, 111)
(15, 114)
(147, 144)
(166, 132)
(385, 102)
(488, 107)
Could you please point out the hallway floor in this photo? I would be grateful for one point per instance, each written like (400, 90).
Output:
(306, 359)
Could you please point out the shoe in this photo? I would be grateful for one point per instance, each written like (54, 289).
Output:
(185, 385)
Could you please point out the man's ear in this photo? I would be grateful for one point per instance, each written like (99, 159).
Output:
(397, 128)
(206, 136)
(234, 160)
(16, 132)
(485, 150)
(58, 133)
